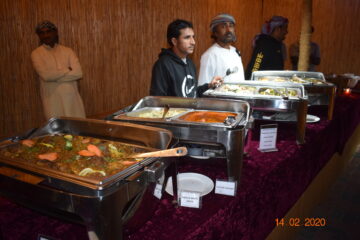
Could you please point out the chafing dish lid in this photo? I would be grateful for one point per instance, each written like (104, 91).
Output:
(303, 77)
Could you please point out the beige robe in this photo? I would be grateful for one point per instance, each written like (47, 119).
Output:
(59, 90)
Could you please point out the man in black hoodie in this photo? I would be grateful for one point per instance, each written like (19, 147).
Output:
(269, 51)
(174, 74)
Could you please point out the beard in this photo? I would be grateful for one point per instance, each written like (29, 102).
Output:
(228, 38)
(50, 40)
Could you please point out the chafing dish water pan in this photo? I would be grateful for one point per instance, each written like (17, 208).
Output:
(268, 97)
(103, 204)
(319, 91)
(204, 138)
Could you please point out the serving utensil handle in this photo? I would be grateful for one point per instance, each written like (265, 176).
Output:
(173, 152)
(166, 109)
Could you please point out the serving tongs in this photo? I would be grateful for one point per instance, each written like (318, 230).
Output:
(173, 152)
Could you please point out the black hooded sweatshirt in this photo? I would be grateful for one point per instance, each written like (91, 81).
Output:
(267, 55)
(171, 76)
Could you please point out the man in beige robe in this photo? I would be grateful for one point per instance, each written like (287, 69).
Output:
(59, 69)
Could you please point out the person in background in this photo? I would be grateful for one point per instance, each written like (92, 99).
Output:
(269, 51)
(222, 58)
(314, 55)
(59, 69)
(174, 74)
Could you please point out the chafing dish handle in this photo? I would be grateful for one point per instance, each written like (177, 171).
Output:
(251, 123)
(155, 171)
(248, 112)
(20, 137)
(124, 110)
(20, 176)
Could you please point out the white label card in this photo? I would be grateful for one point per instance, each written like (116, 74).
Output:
(225, 187)
(189, 199)
(158, 191)
(268, 135)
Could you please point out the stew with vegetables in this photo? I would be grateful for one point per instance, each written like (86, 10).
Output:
(84, 156)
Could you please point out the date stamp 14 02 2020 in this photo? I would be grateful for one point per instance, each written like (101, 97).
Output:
(299, 222)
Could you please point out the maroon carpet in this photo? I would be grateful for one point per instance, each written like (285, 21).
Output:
(270, 184)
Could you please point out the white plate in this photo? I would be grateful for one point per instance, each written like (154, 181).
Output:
(200, 157)
(290, 117)
(312, 118)
(192, 182)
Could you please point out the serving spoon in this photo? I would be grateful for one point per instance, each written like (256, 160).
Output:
(173, 152)
(229, 71)
(166, 109)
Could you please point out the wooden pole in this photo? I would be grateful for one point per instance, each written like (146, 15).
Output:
(305, 36)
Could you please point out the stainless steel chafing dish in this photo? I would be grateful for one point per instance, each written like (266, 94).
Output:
(103, 205)
(203, 139)
(319, 91)
(268, 97)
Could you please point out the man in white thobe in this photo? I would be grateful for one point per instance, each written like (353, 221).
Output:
(222, 59)
(59, 69)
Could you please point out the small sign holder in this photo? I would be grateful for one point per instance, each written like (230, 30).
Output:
(268, 136)
(225, 187)
(158, 190)
(190, 199)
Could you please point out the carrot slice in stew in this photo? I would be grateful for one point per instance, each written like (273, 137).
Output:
(28, 142)
(48, 156)
(94, 149)
(86, 153)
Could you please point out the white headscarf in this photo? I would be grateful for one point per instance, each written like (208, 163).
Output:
(221, 18)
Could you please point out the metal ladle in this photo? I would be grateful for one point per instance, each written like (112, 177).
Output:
(229, 71)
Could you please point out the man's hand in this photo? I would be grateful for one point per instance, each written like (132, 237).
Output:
(216, 82)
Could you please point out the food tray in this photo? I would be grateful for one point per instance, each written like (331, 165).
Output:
(156, 112)
(259, 89)
(302, 77)
(86, 157)
(143, 138)
(219, 118)
(186, 105)
(177, 118)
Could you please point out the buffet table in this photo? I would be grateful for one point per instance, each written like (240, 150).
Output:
(271, 183)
